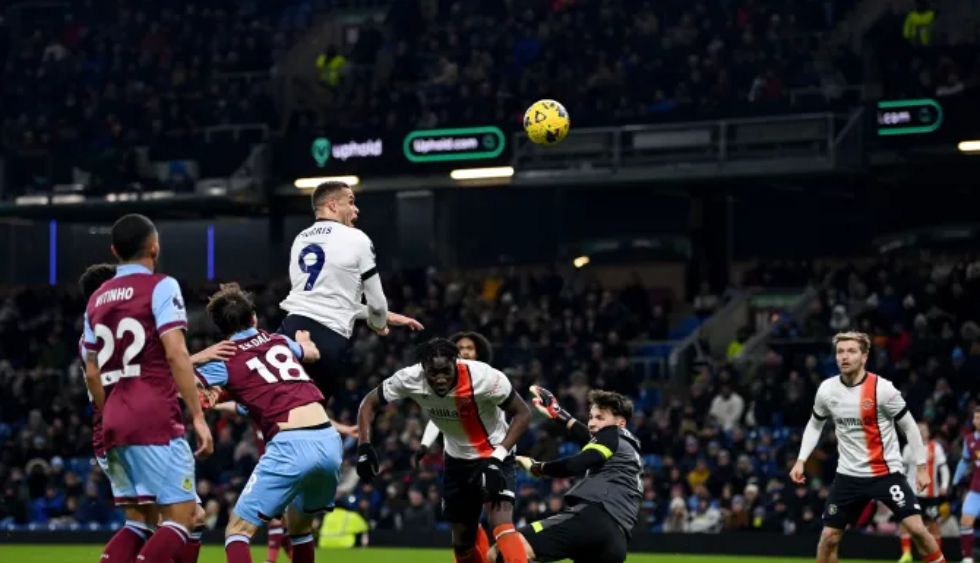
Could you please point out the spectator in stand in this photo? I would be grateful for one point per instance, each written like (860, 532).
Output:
(919, 23)
(727, 408)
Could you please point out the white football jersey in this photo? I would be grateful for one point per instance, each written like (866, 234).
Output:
(469, 416)
(328, 264)
(864, 418)
(935, 458)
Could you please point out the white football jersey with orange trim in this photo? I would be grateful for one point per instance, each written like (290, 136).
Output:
(864, 418)
(469, 416)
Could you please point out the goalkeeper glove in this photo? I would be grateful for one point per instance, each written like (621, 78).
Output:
(547, 404)
(367, 462)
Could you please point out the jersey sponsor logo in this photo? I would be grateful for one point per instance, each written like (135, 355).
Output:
(849, 421)
(443, 413)
(178, 303)
(113, 295)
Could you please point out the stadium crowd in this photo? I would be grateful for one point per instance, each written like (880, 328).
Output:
(715, 459)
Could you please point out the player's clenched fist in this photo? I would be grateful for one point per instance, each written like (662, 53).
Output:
(367, 462)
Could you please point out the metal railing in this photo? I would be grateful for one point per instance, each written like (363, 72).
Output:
(709, 146)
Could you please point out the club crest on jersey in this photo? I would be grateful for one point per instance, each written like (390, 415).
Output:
(831, 509)
(867, 404)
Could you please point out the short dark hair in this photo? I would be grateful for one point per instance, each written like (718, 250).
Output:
(484, 351)
(231, 309)
(613, 402)
(94, 276)
(326, 190)
(129, 236)
(435, 347)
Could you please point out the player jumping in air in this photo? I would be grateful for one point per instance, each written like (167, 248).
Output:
(865, 409)
(134, 337)
(934, 494)
(303, 453)
(331, 268)
(967, 467)
(469, 402)
(602, 506)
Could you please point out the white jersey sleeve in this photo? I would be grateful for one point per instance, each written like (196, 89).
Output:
(328, 263)
(890, 399)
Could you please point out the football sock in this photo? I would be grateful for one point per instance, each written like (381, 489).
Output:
(237, 549)
(303, 548)
(126, 543)
(509, 544)
(164, 545)
(467, 555)
(482, 542)
(936, 557)
(966, 542)
(192, 548)
(274, 542)
(906, 544)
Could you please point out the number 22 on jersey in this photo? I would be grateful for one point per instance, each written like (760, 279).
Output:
(127, 368)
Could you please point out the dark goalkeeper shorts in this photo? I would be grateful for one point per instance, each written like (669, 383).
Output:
(584, 533)
(850, 495)
(331, 368)
(462, 497)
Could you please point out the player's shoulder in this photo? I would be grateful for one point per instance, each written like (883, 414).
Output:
(481, 372)
(829, 385)
(410, 373)
(884, 384)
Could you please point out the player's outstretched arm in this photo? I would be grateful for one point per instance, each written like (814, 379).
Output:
(593, 455)
(219, 351)
(377, 305)
(547, 404)
(183, 373)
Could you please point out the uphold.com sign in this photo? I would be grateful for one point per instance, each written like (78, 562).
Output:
(444, 145)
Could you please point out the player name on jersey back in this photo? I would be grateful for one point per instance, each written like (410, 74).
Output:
(124, 320)
(864, 418)
(469, 416)
(328, 264)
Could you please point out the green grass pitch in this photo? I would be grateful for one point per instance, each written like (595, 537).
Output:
(214, 554)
